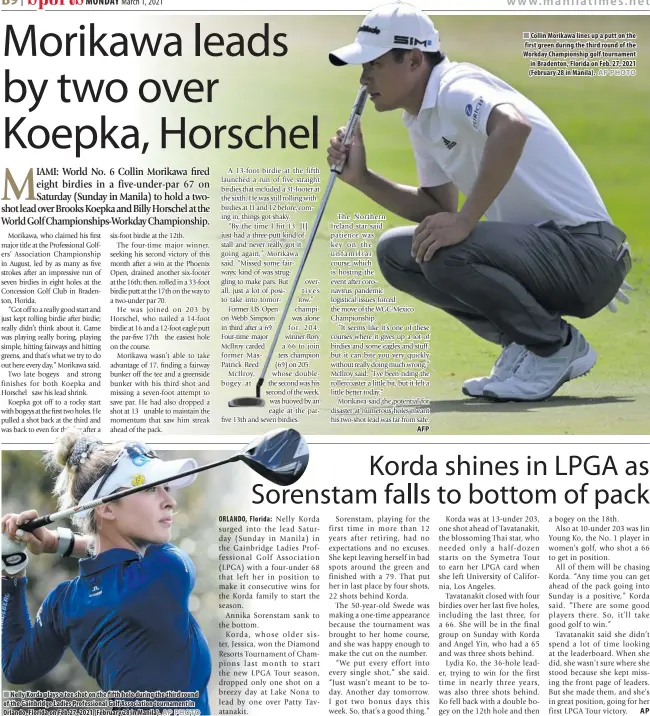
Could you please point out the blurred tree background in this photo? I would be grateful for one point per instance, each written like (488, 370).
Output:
(26, 484)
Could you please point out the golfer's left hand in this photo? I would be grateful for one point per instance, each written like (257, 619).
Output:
(437, 231)
(620, 296)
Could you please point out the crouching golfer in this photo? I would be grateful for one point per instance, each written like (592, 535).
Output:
(126, 615)
(548, 247)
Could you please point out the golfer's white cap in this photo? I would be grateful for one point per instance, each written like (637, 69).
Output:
(138, 465)
(396, 25)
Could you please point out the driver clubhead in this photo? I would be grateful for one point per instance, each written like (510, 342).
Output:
(280, 456)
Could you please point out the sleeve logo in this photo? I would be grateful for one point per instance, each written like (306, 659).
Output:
(477, 112)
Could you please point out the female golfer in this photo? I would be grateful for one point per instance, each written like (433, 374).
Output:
(126, 615)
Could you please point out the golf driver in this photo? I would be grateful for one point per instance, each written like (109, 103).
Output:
(280, 456)
(350, 128)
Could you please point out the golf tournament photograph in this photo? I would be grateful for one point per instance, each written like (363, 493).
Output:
(135, 589)
(585, 159)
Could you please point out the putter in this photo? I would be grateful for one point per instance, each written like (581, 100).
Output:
(280, 456)
(350, 128)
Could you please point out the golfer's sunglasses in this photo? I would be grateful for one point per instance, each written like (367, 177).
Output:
(137, 453)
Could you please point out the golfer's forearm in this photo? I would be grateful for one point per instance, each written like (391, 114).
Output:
(409, 202)
(500, 156)
(29, 651)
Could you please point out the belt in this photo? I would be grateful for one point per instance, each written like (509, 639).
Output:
(621, 249)
(599, 228)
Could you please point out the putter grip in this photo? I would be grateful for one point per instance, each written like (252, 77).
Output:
(351, 126)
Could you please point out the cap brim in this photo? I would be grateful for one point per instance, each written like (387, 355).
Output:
(127, 475)
(356, 54)
(175, 467)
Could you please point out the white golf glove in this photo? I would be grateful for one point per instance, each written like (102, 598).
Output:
(14, 555)
(620, 296)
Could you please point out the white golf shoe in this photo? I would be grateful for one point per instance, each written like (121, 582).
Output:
(538, 377)
(502, 369)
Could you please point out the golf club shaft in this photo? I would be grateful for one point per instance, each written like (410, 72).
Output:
(350, 129)
(296, 280)
(54, 516)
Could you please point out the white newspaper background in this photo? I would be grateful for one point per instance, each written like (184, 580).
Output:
(401, 574)
(170, 168)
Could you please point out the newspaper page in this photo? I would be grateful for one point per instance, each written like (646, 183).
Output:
(316, 285)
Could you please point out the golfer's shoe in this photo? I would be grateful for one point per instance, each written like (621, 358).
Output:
(538, 377)
(502, 369)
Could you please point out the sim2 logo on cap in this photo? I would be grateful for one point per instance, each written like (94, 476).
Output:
(404, 40)
(137, 480)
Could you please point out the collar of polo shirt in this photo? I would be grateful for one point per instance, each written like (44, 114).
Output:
(430, 98)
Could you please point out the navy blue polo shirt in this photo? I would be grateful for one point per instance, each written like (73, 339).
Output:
(126, 619)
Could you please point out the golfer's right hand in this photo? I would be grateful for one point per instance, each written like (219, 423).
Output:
(39, 541)
(354, 155)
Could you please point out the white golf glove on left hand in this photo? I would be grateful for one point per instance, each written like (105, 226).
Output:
(14, 555)
(620, 296)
